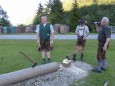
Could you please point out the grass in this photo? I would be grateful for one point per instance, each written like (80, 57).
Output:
(11, 60)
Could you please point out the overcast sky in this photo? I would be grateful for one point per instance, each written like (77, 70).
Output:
(19, 10)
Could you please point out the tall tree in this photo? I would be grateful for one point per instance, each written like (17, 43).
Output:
(40, 10)
(57, 12)
(38, 14)
(75, 16)
(3, 17)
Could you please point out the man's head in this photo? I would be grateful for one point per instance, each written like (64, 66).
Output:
(43, 19)
(104, 21)
(81, 21)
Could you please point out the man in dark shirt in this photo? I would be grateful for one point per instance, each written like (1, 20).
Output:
(104, 35)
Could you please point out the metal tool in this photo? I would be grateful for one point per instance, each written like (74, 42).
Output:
(34, 63)
(68, 55)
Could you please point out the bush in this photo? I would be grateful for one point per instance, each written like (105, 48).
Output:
(95, 12)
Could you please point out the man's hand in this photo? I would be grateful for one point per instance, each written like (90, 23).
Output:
(84, 38)
(97, 27)
(51, 42)
(106, 44)
(105, 47)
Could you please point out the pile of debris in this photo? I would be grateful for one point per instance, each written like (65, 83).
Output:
(60, 28)
(65, 76)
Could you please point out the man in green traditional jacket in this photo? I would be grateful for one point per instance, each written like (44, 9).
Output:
(45, 37)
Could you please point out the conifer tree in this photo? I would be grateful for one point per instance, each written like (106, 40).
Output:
(3, 17)
(38, 14)
(75, 16)
(56, 14)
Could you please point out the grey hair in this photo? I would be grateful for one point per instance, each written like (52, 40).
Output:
(106, 19)
(44, 17)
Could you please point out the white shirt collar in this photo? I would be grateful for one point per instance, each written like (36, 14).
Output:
(45, 24)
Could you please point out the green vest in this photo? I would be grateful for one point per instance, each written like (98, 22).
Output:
(44, 32)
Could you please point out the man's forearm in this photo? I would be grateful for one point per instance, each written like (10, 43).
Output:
(107, 41)
(52, 36)
(38, 37)
(87, 34)
(97, 28)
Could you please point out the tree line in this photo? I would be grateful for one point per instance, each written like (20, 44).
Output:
(57, 13)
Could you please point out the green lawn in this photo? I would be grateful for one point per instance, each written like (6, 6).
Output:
(11, 60)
